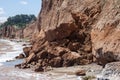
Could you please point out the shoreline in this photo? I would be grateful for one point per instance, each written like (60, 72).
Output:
(8, 62)
(67, 73)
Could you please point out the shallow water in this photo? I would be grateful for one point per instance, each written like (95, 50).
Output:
(8, 51)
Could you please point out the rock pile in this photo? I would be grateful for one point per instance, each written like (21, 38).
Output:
(45, 54)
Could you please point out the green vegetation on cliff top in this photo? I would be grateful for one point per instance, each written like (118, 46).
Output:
(19, 20)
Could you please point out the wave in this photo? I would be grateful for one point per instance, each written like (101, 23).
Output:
(8, 55)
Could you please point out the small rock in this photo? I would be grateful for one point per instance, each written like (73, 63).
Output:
(24, 45)
(21, 56)
(18, 65)
(81, 73)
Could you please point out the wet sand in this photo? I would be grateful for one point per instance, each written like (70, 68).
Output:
(11, 73)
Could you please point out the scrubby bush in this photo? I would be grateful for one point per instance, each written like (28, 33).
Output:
(19, 20)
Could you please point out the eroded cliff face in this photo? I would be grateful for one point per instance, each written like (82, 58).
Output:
(72, 32)
(105, 34)
(11, 32)
(30, 31)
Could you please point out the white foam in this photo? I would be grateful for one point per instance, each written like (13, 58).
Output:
(16, 50)
(9, 56)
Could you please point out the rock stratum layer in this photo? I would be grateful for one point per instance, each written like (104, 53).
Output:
(75, 32)
(13, 32)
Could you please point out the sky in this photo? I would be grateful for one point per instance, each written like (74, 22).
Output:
(13, 7)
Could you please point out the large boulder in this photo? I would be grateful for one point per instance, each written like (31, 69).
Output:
(70, 59)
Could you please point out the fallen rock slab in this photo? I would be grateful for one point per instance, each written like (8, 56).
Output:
(81, 73)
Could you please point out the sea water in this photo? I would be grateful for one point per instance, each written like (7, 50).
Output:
(8, 51)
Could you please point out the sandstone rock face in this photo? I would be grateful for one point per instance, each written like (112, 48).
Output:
(8, 31)
(72, 32)
(105, 34)
(11, 32)
(30, 30)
